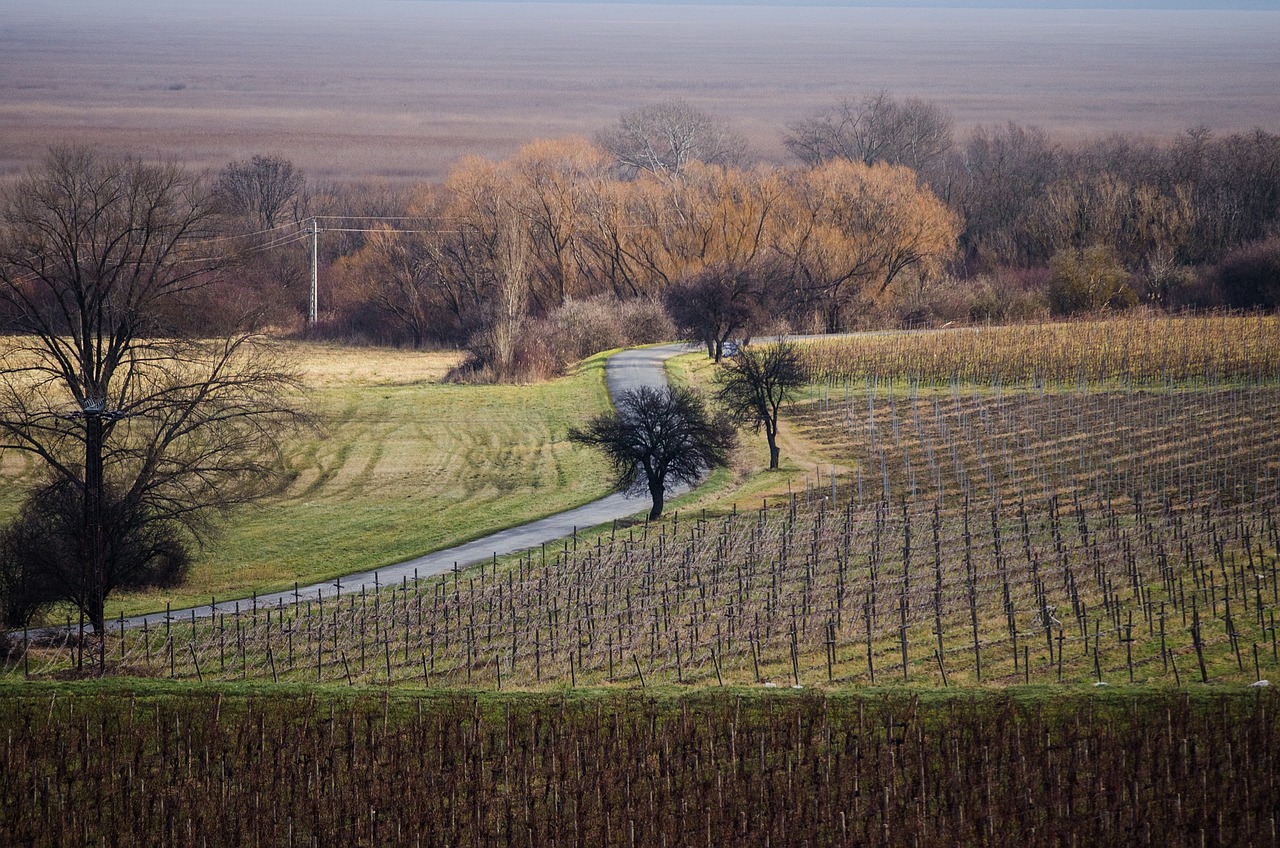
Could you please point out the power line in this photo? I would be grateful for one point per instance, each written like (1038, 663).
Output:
(382, 218)
(289, 239)
(232, 236)
(293, 238)
(386, 230)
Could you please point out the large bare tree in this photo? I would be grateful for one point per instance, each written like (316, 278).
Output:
(876, 128)
(400, 275)
(265, 190)
(97, 259)
(665, 137)
(721, 302)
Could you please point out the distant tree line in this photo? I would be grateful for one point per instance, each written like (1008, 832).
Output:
(666, 223)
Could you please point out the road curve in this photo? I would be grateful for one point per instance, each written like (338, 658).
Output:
(626, 370)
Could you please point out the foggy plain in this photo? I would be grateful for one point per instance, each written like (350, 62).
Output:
(401, 89)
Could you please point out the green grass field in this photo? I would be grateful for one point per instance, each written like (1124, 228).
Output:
(399, 464)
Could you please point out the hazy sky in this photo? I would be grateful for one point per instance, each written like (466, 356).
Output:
(971, 4)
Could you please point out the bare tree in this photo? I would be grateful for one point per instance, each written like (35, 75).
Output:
(97, 259)
(511, 271)
(754, 385)
(264, 200)
(665, 137)
(877, 128)
(858, 228)
(400, 275)
(262, 190)
(1005, 171)
(718, 303)
(658, 437)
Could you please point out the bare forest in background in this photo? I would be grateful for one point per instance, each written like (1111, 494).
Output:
(666, 226)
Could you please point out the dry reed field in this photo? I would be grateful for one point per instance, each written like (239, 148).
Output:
(401, 90)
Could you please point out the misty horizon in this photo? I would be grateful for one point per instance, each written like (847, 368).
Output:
(403, 88)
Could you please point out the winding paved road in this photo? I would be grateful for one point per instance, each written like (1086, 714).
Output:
(626, 370)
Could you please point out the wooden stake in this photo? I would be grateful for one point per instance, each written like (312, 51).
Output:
(195, 660)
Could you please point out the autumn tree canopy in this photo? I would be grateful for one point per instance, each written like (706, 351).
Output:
(850, 230)
(501, 241)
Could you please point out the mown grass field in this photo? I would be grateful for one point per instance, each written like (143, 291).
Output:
(397, 465)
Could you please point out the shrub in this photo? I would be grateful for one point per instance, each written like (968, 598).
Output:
(582, 327)
(1007, 295)
(41, 551)
(1249, 277)
(1088, 280)
(546, 347)
(644, 321)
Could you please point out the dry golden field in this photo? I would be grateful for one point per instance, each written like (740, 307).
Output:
(401, 88)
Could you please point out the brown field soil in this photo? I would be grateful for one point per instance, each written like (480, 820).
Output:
(401, 90)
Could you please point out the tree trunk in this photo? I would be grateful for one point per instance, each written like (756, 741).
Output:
(656, 491)
(92, 530)
(833, 318)
(771, 433)
(97, 614)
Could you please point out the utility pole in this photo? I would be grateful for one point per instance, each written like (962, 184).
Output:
(313, 311)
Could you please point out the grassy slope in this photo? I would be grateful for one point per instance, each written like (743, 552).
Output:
(400, 465)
